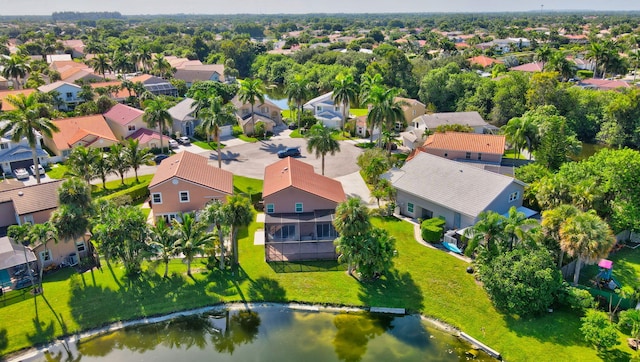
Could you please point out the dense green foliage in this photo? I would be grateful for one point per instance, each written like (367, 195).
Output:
(432, 229)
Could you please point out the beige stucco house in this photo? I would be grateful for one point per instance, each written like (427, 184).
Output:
(124, 120)
(89, 131)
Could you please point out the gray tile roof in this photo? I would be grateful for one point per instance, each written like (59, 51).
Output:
(182, 111)
(455, 185)
(432, 121)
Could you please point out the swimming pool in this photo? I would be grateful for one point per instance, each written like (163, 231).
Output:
(5, 279)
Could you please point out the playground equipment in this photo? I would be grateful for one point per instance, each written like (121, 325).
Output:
(604, 278)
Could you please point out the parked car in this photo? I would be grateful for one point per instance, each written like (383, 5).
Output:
(173, 143)
(41, 170)
(293, 126)
(21, 173)
(289, 152)
(184, 140)
(159, 158)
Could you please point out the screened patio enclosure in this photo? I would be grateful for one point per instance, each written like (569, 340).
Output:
(300, 236)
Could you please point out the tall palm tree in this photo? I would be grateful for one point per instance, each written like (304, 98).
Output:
(587, 237)
(320, 141)
(192, 237)
(351, 221)
(101, 65)
(103, 167)
(368, 83)
(26, 121)
(118, 160)
(522, 133)
(162, 240)
(297, 91)
(517, 227)
(385, 110)
(596, 53)
(213, 116)
(487, 231)
(143, 58)
(71, 219)
(552, 220)
(251, 91)
(16, 67)
(345, 91)
(214, 214)
(136, 156)
(239, 213)
(156, 114)
(82, 161)
(20, 234)
(43, 233)
(161, 66)
(543, 54)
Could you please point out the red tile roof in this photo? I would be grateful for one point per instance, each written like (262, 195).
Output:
(529, 67)
(484, 61)
(122, 93)
(468, 142)
(6, 106)
(144, 135)
(605, 83)
(290, 172)
(123, 114)
(73, 129)
(194, 168)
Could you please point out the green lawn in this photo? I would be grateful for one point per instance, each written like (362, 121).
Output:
(115, 186)
(242, 185)
(296, 134)
(425, 280)
(57, 171)
(358, 111)
(513, 154)
(207, 145)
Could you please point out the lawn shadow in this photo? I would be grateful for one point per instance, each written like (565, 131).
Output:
(306, 266)
(42, 332)
(392, 290)
(614, 355)
(266, 289)
(4, 340)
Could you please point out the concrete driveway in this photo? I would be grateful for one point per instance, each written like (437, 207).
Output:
(250, 159)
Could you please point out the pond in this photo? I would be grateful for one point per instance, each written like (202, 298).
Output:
(588, 150)
(275, 93)
(271, 334)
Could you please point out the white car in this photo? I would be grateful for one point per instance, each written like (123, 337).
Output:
(184, 140)
(21, 173)
(40, 170)
(173, 143)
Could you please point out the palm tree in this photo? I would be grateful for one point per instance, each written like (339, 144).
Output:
(20, 234)
(587, 237)
(351, 221)
(156, 114)
(517, 227)
(239, 213)
(543, 54)
(26, 121)
(251, 90)
(214, 214)
(82, 161)
(71, 219)
(297, 91)
(118, 160)
(16, 67)
(521, 132)
(320, 141)
(213, 116)
(136, 156)
(143, 58)
(552, 220)
(385, 110)
(42, 233)
(101, 65)
(161, 66)
(162, 240)
(345, 91)
(102, 167)
(192, 237)
(486, 232)
(559, 63)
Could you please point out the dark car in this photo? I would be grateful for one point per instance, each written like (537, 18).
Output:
(394, 146)
(289, 152)
(293, 126)
(159, 158)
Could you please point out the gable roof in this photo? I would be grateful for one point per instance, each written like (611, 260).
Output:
(604, 83)
(55, 85)
(256, 107)
(183, 111)
(34, 198)
(290, 172)
(410, 102)
(194, 168)
(484, 61)
(123, 114)
(323, 98)
(144, 135)
(454, 185)
(432, 121)
(6, 106)
(529, 67)
(74, 129)
(192, 73)
(469, 142)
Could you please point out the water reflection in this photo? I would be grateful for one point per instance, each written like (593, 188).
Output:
(270, 334)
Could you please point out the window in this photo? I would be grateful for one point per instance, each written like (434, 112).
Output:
(265, 110)
(69, 95)
(271, 208)
(318, 109)
(299, 207)
(4, 146)
(468, 155)
(479, 156)
(28, 219)
(325, 231)
(184, 196)
(167, 218)
(45, 255)
(156, 197)
(285, 232)
(514, 196)
(410, 207)
(336, 108)
(132, 127)
(80, 246)
(414, 112)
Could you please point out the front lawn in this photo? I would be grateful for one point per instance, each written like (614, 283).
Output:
(207, 145)
(57, 171)
(358, 111)
(425, 280)
(512, 154)
(116, 186)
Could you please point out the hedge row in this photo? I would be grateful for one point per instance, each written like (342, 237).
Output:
(432, 229)
(136, 193)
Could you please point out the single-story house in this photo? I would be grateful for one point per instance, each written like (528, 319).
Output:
(15, 155)
(88, 131)
(299, 207)
(529, 67)
(185, 182)
(413, 137)
(431, 186)
(469, 147)
(484, 61)
(604, 84)
(148, 138)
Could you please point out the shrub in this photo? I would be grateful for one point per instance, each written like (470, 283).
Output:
(598, 330)
(136, 193)
(432, 229)
(576, 298)
(583, 74)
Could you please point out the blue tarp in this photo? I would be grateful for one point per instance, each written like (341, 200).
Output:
(451, 247)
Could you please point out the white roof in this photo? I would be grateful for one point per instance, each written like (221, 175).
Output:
(327, 97)
(432, 121)
(455, 185)
(183, 111)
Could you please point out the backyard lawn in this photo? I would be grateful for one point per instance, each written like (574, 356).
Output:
(425, 280)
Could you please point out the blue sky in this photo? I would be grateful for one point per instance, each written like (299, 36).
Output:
(127, 7)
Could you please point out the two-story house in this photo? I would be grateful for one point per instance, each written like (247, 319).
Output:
(14, 155)
(299, 207)
(203, 72)
(124, 120)
(326, 110)
(67, 94)
(185, 182)
(267, 113)
(183, 116)
(414, 136)
(466, 147)
(89, 131)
